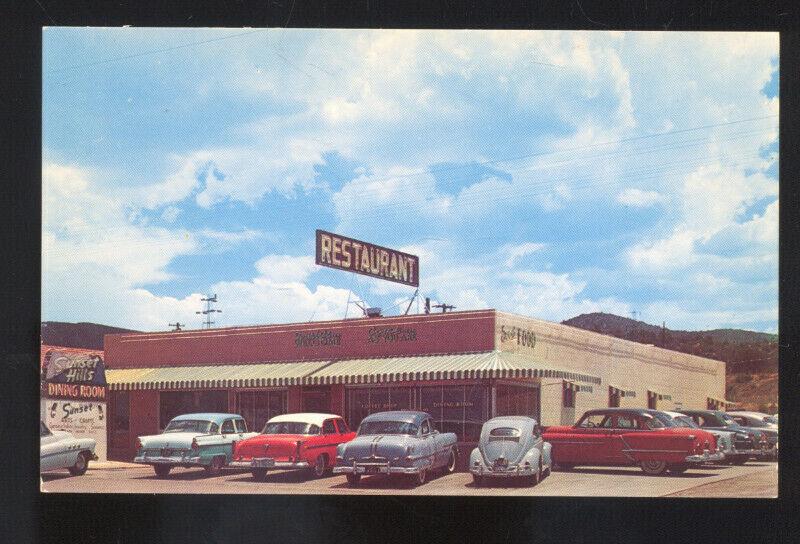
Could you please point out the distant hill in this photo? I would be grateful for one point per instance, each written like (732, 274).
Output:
(744, 351)
(77, 335)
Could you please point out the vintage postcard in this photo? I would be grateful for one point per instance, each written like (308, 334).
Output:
(392, 262)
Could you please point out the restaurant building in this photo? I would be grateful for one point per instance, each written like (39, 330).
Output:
(461, 367)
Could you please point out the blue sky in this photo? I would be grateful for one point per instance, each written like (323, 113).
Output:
(544, 173)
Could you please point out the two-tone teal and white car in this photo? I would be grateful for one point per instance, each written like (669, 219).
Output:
(193, 440)
(59, 449)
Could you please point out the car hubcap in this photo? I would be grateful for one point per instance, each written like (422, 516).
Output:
(654, 466)
(319, 468)
(81, 462)
(452, 464)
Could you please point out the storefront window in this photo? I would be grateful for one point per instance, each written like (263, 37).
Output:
(514, 400)
(175, 403)
(120, 407)
(362, 402)
(257, 407)
(460, 409)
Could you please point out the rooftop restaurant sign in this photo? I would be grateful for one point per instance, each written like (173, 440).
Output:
(335, 251)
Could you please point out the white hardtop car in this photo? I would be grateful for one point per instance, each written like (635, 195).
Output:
(59, 449)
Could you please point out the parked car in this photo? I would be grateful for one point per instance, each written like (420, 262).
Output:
(511, 447)
(763, 422)
(725, 439)
(629, 437)
(402, 443)
(294, 441)
(754, 419)
(59, 449)
(193, 440)
(748, 442)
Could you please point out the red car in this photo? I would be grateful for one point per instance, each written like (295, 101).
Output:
(293, 441)
(628, 437)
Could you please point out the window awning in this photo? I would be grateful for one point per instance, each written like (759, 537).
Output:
(659, 396)
(438, 367)
(721, 401)
(211, 376)
(352, 371)
(622, 391)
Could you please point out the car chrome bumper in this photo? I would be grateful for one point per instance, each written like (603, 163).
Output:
(510, 472)
(705, 457)
(268, 462)
(375, 468)
(159, 460)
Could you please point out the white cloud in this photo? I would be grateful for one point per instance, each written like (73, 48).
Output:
(516, 252)
(638, 198)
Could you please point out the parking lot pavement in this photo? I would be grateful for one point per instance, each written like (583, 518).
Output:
(755, 479)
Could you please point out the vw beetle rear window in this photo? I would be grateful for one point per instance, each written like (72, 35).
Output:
(505, 432)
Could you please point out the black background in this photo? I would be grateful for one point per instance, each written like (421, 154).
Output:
(28, 516)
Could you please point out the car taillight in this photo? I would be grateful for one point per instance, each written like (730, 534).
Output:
(194, 444)
(138, 443)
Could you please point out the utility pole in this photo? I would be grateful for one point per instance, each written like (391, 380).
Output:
(427, 305)
(209, 310)
(177, 326)
(444, 306)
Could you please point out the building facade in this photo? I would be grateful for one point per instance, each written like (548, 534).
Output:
(461, 367)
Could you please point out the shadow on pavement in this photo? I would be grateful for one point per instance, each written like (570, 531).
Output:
(50, 476)
(637, 474)
(183, 475)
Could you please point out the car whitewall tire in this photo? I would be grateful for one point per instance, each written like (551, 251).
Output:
(654, 468)
(81, 465)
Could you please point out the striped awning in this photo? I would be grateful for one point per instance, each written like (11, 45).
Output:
(438, 367)
(659, 396)
(630, 393)
(212, 376)
(721, 401)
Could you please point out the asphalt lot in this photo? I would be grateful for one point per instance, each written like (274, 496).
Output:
(755, 479)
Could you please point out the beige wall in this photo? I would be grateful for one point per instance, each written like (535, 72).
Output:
(626, 365)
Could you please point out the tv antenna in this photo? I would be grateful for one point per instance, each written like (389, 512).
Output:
(444, 307)
(177, 325)
(209, 310)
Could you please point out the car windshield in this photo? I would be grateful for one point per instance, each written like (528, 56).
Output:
(685, 421)
(664, 419)
(754, 422)
(387, 427)
(290, 427)
(188, 426)
(728, 420)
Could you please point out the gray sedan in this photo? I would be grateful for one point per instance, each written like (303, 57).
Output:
(397, 443)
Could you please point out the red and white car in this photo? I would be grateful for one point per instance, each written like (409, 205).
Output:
(305, 441)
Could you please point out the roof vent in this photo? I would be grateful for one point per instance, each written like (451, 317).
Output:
(373, 312)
